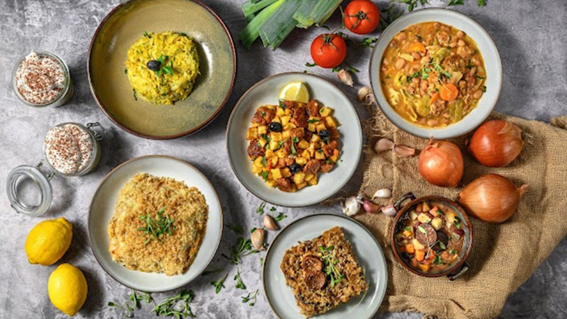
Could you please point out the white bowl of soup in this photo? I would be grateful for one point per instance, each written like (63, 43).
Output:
(436, 73)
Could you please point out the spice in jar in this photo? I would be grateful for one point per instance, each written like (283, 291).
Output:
(40, 79)
(69, 148)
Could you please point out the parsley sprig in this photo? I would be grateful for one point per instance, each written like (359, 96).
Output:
(169, 307)
(219, 285)
(156, 228)
(242, 248)
(239, 283)
(329, 260)
(250, 297)
(136, 297)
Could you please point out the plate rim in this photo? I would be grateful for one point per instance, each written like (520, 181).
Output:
(196, 129)
(254, 86)
(435, 133)
(318, 215)
(181, 282)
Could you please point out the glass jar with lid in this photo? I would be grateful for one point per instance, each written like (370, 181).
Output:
(69, 149)
(42, 79)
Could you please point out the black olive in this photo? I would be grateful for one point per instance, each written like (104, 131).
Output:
(295, 168)
(154, 65)
(324, 134)
(275, 127)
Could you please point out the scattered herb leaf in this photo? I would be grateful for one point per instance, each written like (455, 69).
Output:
(219, 285)
(239, 283)
(250, 297)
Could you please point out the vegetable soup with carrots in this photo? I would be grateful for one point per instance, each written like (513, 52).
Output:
(430, 237)
(432, 74)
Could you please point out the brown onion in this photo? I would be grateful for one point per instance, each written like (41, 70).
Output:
(441, 163)
(496, 143)
(492, 198)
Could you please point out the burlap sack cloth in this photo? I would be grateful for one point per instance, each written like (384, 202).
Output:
(503, 256)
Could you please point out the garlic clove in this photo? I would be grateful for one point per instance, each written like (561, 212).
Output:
(389, 210)
(345, 77)
(383, 145)
(371, 207)
(269, 223)
(258, 239)
(383, 193)
(404, 151)
(351, 206)
(362, 94)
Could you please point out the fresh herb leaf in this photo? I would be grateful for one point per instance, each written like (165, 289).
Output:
(134, 94)
(157, 228)
(239, 283)
(418, 37)
(167, 70)
(456, 2)
(280, 217)
(219, 285)
(453, 252)
(272, 209)
(261, 261)
(407, 228)
(457, 222)
(264, 175)
(438, 260)
(136, 297)
(293, 141)
(210, 272)
(183, 34)
(481, 3)
(263, 161)
(442, 245)
(421, 229)
(368, 42)
(310, 65)
(313, 120)
(250, 297)
(329, 260)
(146, 34)
(253, 230)
(416, 74)
(260, 209)
(484, 88)
(168, 306)
(242, 248)
(125, 71)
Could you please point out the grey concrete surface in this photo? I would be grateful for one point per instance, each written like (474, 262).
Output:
(531, 37)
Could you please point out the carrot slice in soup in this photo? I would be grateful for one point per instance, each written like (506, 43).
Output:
(449, 92)
(434, 98)
(416, 47)
(419, 255)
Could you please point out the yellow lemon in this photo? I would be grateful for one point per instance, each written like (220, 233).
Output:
(48, 241)
(295, 91)
(67, 288)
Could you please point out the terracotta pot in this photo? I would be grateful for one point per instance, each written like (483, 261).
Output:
(459, 267)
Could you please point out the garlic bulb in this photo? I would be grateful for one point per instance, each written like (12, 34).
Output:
(351, 206)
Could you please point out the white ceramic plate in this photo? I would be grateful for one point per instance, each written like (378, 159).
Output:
(492, 65)
(267, 92)
(102, 210)
(368, 253)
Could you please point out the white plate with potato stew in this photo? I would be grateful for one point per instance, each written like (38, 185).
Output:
(285, 139)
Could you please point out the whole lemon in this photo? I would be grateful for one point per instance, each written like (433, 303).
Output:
(67, 288)
(48, 241)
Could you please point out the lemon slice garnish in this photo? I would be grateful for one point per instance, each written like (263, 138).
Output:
(295, 91)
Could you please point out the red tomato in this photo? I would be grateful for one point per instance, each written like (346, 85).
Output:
(328, 50)
(361, 16)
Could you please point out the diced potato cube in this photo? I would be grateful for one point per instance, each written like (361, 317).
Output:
(407, 233)
(271, 183)
(285, 119)
(252, 133)
(325, 111)
(276, 173)
(303, 144)
(311, 150)
(320, 127)
(302, 185)
(315, 138)
(289, 126)
(450, 217)
(311, 127)
(254, 125)
(276, 119)
(273, 146)
(413, 215)
(280, 112)
(285, 135)
(286, 172)
(276, 136)
(330, 122)
(313, 181)
(256, 169)
(424, 218)
(262, 129)
(417, 245)
(299, 178)
(306, 155)
(262, 142)
(287, 112)
(301, 161)
(309, 177)
(258, 162)
(281, 153)
(274, 160)
(425, 207)
(423, 267)
(271, 107)
(319, 155)
(293, 188)
(437, 223)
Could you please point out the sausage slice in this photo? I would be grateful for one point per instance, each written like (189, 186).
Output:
(315, 280)
(425, 234)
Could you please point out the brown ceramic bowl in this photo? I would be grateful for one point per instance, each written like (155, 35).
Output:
(111, 89)
(457, 268)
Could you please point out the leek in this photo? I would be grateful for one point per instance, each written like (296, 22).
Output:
(280, 24)
(252, 30)
(250, 7)
(302, 14)
(323, 11)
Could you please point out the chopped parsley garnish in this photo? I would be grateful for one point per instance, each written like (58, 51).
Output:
(169, 307)
(329, 259)
(313, 120)
(438, 260)
(407, 228)
(280, 217)
(457, 222)
(293, 141)
(263, 161)
(456, 2)
(260, 209)
(368, 42)
(155, 228)
(264, 175)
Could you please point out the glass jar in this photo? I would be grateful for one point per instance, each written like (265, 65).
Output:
(63, 97)
(29, 187)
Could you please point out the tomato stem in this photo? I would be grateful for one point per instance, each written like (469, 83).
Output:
(360, 15)
(328, 39)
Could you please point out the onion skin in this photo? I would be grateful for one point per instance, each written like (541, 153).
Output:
(441, 163)
(491, 198)
(496, 143)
